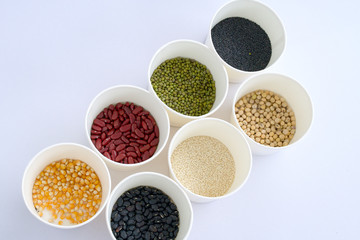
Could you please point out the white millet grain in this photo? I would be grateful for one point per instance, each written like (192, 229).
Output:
(204, 165)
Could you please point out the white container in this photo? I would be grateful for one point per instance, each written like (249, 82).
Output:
(57, 152)
(201, 53)
(165, 184)
(138, 96)
(295, 95)
(259, 13)
(230, 136)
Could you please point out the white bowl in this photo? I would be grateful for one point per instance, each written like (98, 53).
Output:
(259, 13)
(230, 136)
(295, 95)
(165, 184)
(201, 53)
(57, 152)
(139, 96)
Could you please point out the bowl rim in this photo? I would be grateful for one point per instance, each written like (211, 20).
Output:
(34, 159)
(215, 57)
(249, 152)
(112, 163)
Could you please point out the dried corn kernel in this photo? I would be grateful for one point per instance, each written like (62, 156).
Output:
(61, 188)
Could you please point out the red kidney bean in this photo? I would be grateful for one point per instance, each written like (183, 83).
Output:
(118, 106)
(107, 154)
(143, 124)
(137, 110)
(96, 128)
(131, 154)
(114, 115)
(112, 146)
(127, 110)
(120, 147)
(156, 130)
(98, 143)
(118, 141)
(125, 133)
(116, 135)
(139, 141)
(110, 132)
(151, 137)
(116, 123)
(149, 123)
(152, 150)
(130, 160)
(133, 127)
(103, 136)
(154, 142)
(95, 132)
(99, 122)
(132, 118)
(93, 137)
(130, 149)
(145, 156)
(124, 139)
(144, 148)
(100, 115)
(139, 133)
(120, 157)
(106, 141)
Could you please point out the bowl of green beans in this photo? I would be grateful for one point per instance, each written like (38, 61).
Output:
(188, 79)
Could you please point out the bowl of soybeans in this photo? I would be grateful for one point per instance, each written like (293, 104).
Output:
(273, 110)
(210, 159)
(66, 185)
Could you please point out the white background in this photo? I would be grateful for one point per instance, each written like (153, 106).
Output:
(55, 56)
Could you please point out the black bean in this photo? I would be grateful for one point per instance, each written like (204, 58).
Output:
(144, 213)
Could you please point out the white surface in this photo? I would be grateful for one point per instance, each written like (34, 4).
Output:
(55, 56)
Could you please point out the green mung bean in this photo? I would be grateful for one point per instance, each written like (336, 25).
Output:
(185, 85)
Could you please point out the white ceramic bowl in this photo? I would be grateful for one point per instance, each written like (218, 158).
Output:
(139, 96)
(201, 53)
(259, 13)
(230, 136)
(295, 95)
(165, 184)
(57, 152)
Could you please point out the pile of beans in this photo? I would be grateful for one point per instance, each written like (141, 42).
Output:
(242, 44)
(204, 165)
(266, 117)
(144, 212)
(67, 192)
(125, 133)
(185, 85)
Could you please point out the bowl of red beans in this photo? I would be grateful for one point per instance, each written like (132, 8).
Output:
(126, 126)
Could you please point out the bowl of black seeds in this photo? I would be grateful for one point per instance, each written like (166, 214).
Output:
(148, 205)
(188, 79)
(247, 36)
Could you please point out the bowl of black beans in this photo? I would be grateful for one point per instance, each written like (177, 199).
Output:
(247, 36)
(148, 205)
